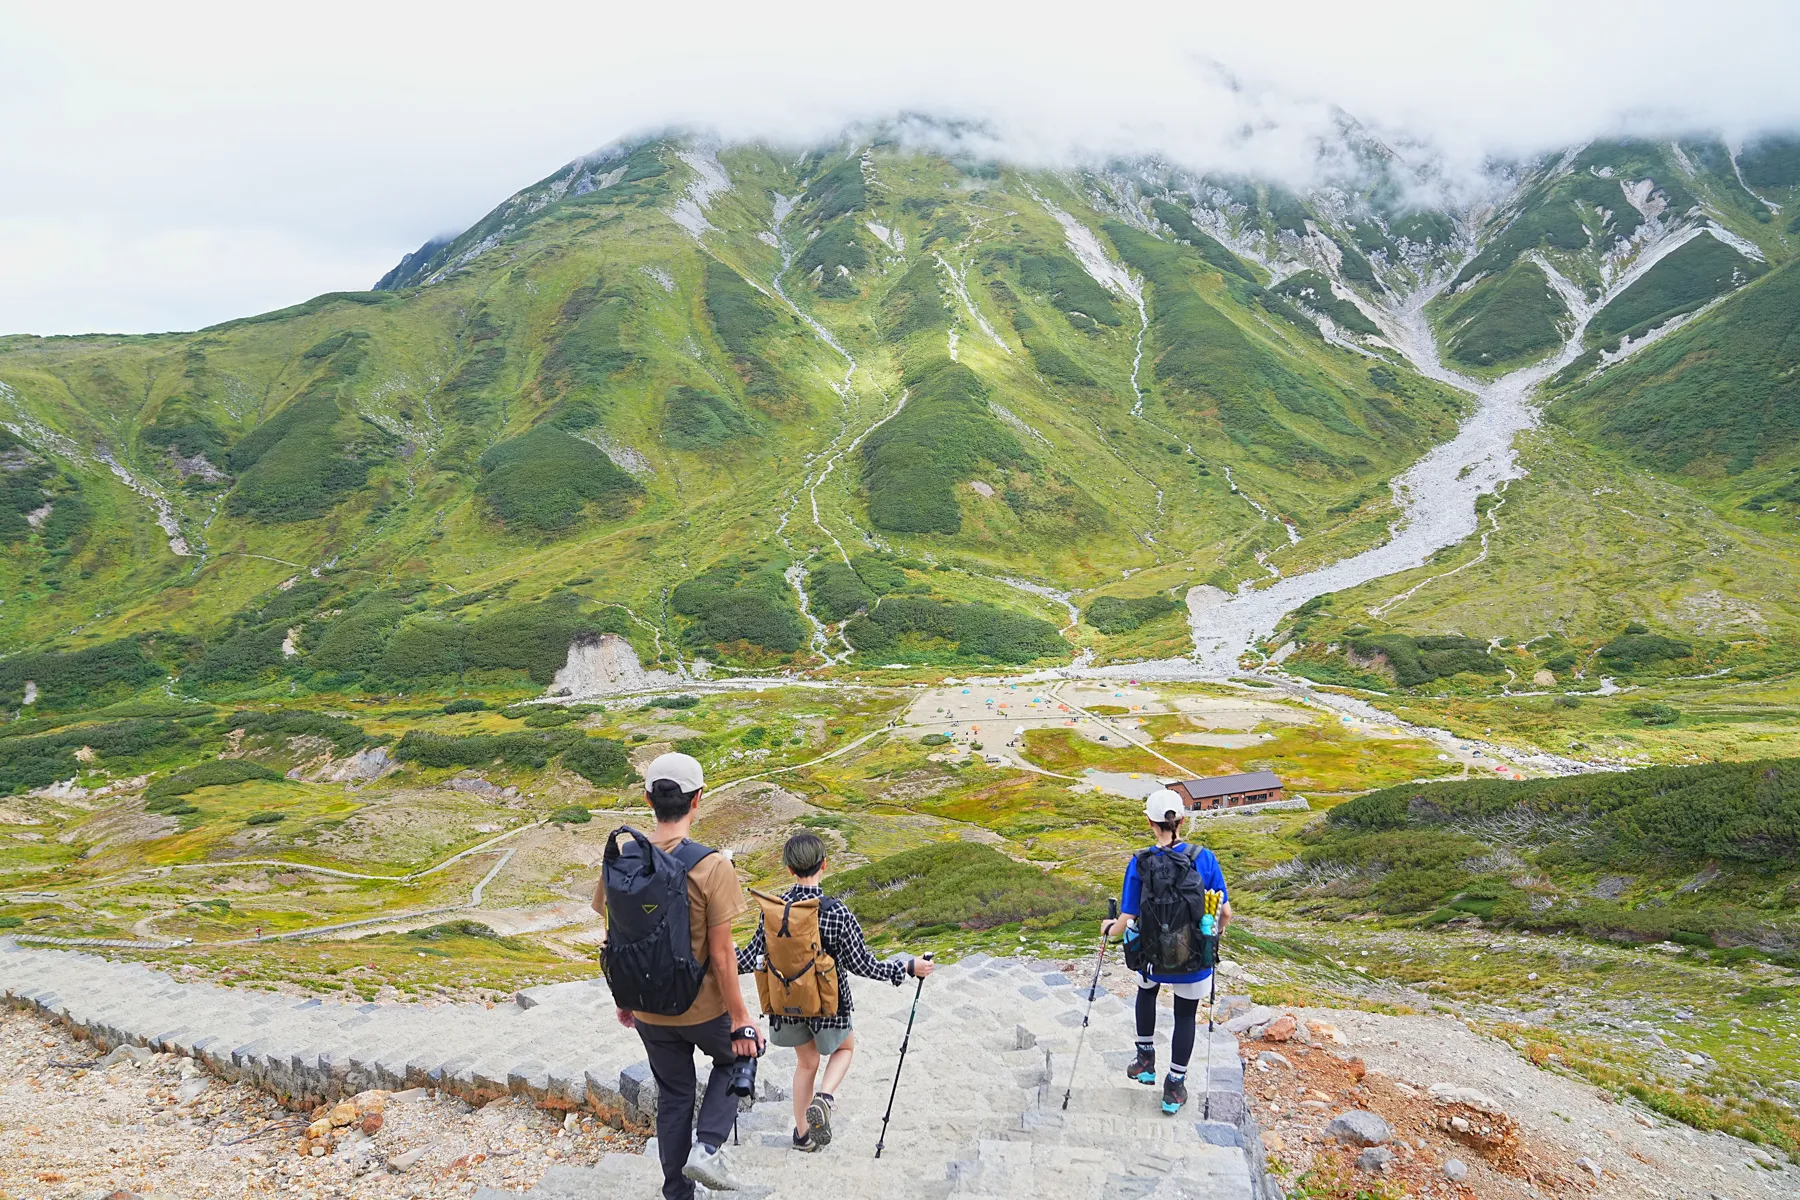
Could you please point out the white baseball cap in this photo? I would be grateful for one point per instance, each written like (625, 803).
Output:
(683, 769)
(1164, 804)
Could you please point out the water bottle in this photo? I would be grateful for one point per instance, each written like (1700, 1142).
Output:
(1207, 925)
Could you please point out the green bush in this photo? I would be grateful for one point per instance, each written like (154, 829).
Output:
(962, 885)
(74, 679)
(345, 736)
(266, 817)
(10, 922)
(1630, 650)
(589, 347)
(1772, 161)
(683, 701)
(935, 739)
(464, 928)
(34, 762)
(974, 630)
(571, 814)
(299, 463)
(180, 427)
(544, 479)
(218, 772)
(550, 716)
(468, 704)
(244, 655)
(1211, 250)
(697, 420)
(1651, 713)
(836, 592)
(913, 463)
(748, 601)
(533, 750)
(1122, 614)
(1747, 812)
(1417, 661)
(600, 761)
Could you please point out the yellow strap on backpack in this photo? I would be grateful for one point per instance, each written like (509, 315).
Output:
(795, 978)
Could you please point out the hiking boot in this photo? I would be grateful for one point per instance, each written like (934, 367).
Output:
(1174, 1095)
(711, 1167)
(818, 1120)
(804, 1142)
(1142, 1068)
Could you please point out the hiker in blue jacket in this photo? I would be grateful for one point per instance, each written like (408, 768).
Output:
(1164, 810)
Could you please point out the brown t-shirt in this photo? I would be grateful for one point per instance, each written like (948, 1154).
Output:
(714, 898)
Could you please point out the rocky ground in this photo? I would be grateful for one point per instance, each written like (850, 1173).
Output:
(78, 1123)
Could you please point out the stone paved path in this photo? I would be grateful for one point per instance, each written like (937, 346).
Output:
(978, 1112)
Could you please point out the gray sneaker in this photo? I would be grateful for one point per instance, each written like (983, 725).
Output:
(711, 1168)
(818, 1120)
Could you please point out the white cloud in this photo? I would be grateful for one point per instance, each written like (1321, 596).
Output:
(302, 149)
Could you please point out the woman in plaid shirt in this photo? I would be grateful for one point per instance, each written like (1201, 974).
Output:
(830, 1037)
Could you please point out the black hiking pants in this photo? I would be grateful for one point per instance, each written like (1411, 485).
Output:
(670, 1049)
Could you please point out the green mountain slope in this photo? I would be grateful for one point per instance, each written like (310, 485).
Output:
(704, 397)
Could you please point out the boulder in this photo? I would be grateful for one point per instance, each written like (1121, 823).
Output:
(1281, 1028)
(1274, 1058)
(1455, 1170)
(1262, 1014)
(1374, 1160)
(1359, 1128)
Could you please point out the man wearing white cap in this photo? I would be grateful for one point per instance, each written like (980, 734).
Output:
(718, 1023)
(1170, 876)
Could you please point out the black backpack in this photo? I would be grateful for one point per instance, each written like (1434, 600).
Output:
(648, 954)
(1171, 901)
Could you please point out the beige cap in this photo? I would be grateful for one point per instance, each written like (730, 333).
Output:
(683, 769)
(1164, 804)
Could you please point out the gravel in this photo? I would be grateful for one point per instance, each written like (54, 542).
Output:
(71, 1128)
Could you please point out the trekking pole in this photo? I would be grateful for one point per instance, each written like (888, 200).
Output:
(1212, 1003)
(1112, 914)
(882, 1142)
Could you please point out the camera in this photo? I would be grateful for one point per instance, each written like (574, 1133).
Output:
(742, 1076)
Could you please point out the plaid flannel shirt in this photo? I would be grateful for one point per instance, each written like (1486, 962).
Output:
(842, 937)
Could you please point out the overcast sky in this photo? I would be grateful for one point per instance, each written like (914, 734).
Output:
(168, 166)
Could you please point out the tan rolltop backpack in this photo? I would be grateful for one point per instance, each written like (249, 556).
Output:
(796, 978)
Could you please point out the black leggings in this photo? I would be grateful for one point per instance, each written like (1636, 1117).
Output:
(1181, 1046)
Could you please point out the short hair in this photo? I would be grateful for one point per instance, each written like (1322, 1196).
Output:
(804, 854)
(669, 802)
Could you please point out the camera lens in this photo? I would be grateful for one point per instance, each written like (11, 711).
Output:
(743, 1077)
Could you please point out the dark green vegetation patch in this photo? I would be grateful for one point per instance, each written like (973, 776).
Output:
(958, 885)
(1416, 661)
(219, 772)
(34, 762)
(1506, 318)
(698, 420)
(1745, 812)
(543, 480)
(913, 463)
(72, 679)
(1725, 388)
(744, 601)
(1691, 275)
(1122, 614)
(837, 591)
(1314, 290)
(900, 626)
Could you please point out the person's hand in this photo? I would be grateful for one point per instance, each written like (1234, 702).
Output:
(1115, 927)
(750, 1047)
(625, 1018)
(919, 968)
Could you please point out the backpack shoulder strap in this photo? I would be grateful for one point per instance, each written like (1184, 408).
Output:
(689, 854)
